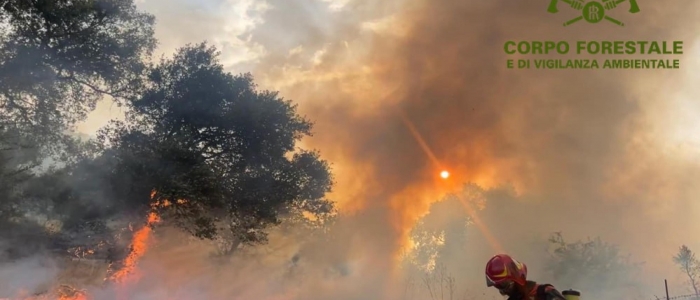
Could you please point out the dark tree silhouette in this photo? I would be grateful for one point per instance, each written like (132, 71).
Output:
(58, 57)
(212, 139)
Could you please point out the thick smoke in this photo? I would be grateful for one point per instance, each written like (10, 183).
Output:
(584, 150)
(580, 151)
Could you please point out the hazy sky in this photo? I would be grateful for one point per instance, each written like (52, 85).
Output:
(611, 153)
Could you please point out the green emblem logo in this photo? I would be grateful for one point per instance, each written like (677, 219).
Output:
(593, 11)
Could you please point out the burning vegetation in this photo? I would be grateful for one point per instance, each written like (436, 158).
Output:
(193, 132)
(210, 156)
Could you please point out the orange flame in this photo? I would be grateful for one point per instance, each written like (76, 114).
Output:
(138, 249)
(76, 297)
(64, 292)
(138, 246)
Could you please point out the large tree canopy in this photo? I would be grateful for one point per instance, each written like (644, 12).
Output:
(58, 57)
(223, 154)
(212, 139)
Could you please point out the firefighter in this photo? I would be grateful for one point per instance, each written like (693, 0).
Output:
(509, 276)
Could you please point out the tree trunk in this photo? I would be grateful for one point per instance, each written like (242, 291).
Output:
(694, 283)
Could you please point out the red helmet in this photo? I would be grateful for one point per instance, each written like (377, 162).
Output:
(502, 270)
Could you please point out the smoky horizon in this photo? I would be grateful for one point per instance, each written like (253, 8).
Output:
(346, 149)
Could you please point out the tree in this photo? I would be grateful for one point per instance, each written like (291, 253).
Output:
(71, 196)
(223, 148)
(594, 266)
(690, 265)
(58, 57)
(440, 284)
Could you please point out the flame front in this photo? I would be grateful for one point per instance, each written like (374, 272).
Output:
(139, 244)
(71, 294)
(138, 249)
(128, 272)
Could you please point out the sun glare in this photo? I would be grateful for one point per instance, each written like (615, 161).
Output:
(444, 174)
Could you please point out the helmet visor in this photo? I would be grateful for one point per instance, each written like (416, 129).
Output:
(489, 283)
(503, 287)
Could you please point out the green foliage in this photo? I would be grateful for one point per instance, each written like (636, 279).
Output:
(593, 266)
(201, 134)
(690, 266)
(193, 132)
(58, 57)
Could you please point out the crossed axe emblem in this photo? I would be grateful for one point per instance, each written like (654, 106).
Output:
(593, 11)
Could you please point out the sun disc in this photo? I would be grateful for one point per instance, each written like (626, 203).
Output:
(444, 174)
